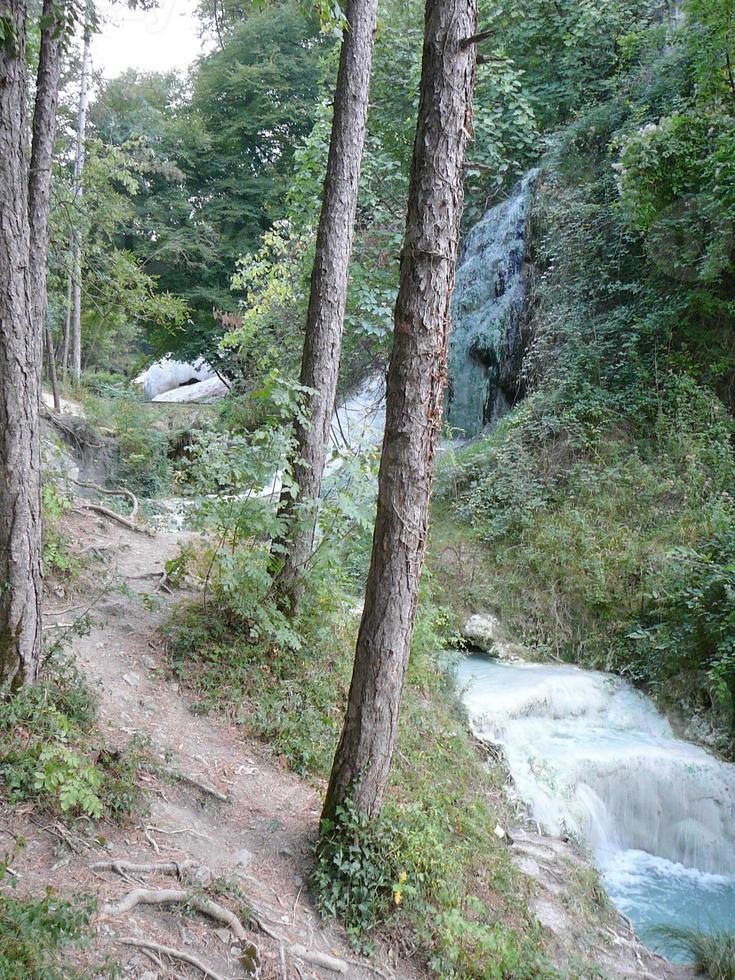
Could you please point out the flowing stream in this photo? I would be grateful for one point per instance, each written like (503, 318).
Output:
(593, 758)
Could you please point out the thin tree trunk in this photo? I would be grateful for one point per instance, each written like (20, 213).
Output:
(20, 380)
(67, 331)
(324, 321)
(416, 381)
(51, 364)
(76, 248)
(39, 178)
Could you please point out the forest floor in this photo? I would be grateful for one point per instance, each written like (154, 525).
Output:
(255, 830)
(251, 823)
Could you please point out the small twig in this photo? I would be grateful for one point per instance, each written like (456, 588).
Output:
(56, 833)
(94, 547)
(295, 904)
(194, 833)
(184, 777)
(475, 39)
(176, 954)
(63, 612)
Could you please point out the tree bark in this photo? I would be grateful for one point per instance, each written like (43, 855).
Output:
(328, 297)
(416, 381)
(20, 380)
(39, 178)
(76, 238)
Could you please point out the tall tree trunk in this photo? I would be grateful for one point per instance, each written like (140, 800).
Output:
(416, 381)
(20, 379)
(76, 246)
(325, 316)
(39, 178)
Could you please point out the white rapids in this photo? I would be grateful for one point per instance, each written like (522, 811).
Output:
(593, 758)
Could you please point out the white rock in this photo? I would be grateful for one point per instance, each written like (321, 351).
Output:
(243, 858)
(483, 632)
(168, 373)
(131, 679)
(209, 390)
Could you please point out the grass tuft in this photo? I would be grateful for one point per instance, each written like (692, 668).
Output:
(712, 953)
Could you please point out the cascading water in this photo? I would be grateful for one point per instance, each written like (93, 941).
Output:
(487, 309)
(593, 758)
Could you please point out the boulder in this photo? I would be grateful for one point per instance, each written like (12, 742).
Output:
(483, 632)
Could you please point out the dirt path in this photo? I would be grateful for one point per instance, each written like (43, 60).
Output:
(256, 832)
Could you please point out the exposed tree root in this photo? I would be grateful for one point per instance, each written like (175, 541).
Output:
(122, 492)
(106, 512)
(313, 956)
(158, 867)
(316, 958)
(176, 954)
(178, 896)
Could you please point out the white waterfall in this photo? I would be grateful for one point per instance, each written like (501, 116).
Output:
(593, 758)
(487, 304)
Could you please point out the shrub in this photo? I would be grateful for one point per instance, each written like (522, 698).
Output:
(49, 753)
(362, 872)
(142, 461)
(687, 630)
(56, 557)
(32, 933)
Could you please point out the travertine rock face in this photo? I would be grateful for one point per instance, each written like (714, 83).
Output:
(167, 374)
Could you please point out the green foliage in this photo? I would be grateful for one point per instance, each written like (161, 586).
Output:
(120, 294)
(568, 51)
(211, 163)
(141, 464)
(687, 629)
(272, 281)
(377, 874)
(49, 753)
(33, 932)
(712, 953)
(469, 948)
(364, 871)
(603, 502)
(54, 504)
